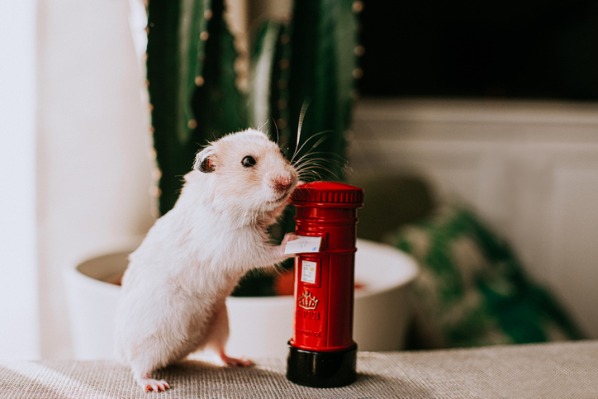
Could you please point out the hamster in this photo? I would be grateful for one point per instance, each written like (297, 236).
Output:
(174, 289)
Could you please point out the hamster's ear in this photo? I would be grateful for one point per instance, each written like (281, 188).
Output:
(204, 160)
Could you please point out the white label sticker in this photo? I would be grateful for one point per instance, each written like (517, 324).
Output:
(308, 271)
(303, 244)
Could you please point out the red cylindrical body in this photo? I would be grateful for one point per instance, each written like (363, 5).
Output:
(324, 281)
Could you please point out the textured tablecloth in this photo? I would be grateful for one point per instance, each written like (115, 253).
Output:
(564, 371)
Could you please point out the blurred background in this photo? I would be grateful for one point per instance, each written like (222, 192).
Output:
(490, 103)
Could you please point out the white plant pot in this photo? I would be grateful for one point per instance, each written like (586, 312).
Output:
(260, 326)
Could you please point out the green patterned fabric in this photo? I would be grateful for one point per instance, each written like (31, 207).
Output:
(472, 290)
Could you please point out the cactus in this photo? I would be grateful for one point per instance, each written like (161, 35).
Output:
(194, 97)
(270, 71)
(311, 61)
(323, 71)
(190, 69)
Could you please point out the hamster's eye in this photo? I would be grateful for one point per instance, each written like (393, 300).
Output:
(248, 161)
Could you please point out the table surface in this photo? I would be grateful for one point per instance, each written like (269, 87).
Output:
(557, 370)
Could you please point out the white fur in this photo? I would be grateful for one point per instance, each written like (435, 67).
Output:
(174, 290)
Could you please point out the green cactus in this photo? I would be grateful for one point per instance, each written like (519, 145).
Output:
(310, 60)
(190, 69)
(324, 38)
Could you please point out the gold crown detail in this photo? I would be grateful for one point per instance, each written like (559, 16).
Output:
(307, 301)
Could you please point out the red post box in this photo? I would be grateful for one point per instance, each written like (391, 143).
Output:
(322, 351)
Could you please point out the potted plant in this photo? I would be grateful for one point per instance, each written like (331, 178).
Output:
(300, 88)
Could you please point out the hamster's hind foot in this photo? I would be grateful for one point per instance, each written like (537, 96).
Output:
(149, 384)
(235, 362)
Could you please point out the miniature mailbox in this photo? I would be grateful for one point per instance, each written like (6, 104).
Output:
(322, 351)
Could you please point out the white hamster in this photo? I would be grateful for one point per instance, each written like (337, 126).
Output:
(174, 290)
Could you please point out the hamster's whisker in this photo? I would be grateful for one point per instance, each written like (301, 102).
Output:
(317, 167)
(319, 156)
(302, 113)
(261, 127)
(277, 131)
(314, 136)
(308, 153)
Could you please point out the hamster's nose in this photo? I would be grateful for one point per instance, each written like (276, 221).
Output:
(282, 183)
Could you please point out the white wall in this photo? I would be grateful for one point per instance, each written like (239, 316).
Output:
(94, 168)
(76, 163)
(18, 262)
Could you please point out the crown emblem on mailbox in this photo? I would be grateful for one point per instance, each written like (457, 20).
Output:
(307, 301)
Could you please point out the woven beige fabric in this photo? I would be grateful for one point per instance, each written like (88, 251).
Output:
(564, 370)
